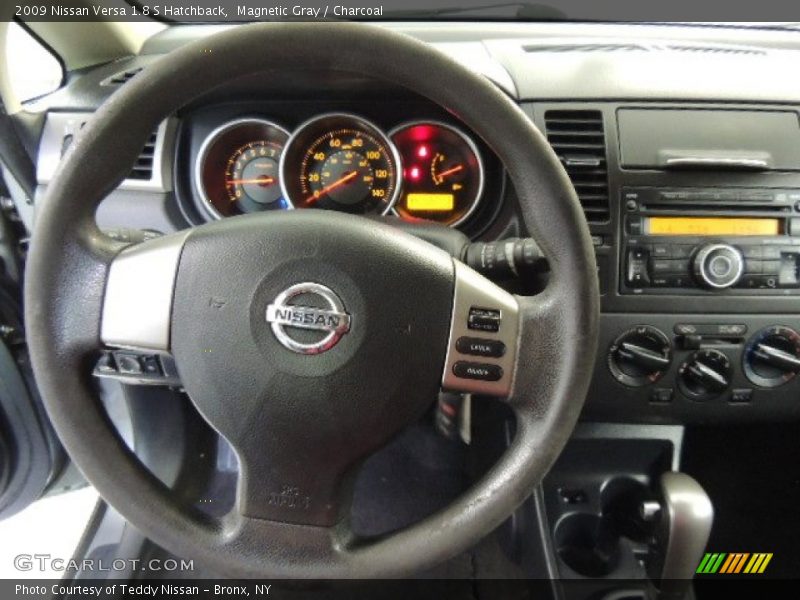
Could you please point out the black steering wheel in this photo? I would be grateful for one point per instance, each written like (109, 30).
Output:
(221, 297)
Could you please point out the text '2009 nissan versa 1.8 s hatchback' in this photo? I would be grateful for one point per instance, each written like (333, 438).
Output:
(417, 302)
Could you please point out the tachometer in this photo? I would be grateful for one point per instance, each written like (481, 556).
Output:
(443, 173)
(341, 162)
(237, 168)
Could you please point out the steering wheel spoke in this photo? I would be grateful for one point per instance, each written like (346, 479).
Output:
(136, 313)
(139, 293)
(484, 336)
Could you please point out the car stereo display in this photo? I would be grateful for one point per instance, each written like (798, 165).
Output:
(703, 226)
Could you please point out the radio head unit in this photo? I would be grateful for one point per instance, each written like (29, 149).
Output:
(710, 241)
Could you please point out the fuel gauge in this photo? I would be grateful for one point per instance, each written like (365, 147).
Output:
(442, 173)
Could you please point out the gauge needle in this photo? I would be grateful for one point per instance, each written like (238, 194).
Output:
(265, 181)
(330, 187)
(450, 171)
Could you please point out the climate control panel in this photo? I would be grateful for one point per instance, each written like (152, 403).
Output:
(699, 368)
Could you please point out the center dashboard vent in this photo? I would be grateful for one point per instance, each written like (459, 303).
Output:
(578, 138)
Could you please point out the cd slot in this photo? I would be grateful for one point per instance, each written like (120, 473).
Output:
(712, 207)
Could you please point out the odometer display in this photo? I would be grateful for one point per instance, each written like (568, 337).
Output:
(341, 162)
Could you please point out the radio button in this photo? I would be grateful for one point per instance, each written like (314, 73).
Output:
(679, 281)
(720, 266)
(753, 266)
(637, 277)
(750, 281)
(752, 251)
(682, 251)
(669, 266)
(661, 266)
(634, 225)
(770, 267)
(637, 274)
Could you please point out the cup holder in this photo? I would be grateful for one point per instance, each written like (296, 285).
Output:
(588, 544)
(591, 544)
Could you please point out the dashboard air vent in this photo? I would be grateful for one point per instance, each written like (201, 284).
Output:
(735, 50)
(599, 47)
(626, 47)
(143, 169)
(578, 138)
(121, 77)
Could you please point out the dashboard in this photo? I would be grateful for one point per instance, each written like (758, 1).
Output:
(683, 144)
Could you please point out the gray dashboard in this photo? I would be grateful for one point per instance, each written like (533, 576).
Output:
(592, 71)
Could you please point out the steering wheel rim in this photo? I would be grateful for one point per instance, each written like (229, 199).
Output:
(69, 264)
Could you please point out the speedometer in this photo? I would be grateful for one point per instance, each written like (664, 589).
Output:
(341, 162)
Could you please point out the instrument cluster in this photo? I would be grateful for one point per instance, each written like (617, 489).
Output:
(424, 170)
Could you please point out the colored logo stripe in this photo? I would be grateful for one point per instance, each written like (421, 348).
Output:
(733, 563)
(758, 563)
(710, 563)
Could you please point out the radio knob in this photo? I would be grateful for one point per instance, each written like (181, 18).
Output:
(718, 266)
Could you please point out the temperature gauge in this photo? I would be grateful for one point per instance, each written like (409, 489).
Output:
(442, 173)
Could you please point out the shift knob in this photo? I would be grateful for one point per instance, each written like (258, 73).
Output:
(684, 525)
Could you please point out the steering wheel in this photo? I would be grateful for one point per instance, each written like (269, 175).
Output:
(389, 309)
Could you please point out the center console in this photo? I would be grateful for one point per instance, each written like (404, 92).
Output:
(695, 215)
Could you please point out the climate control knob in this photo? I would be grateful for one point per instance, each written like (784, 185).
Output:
(706, 374)
(640, 356)
(718, 266)
(772, 356)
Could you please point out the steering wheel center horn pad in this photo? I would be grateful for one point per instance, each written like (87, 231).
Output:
(330, 318)
(301, 422)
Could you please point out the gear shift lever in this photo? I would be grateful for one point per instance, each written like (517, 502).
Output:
(681, 536)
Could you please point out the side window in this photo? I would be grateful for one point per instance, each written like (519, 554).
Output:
(33, 71)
